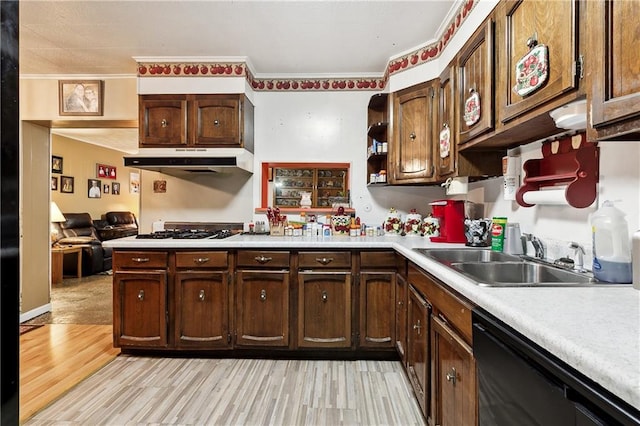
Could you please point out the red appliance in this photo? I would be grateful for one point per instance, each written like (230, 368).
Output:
(450, 214)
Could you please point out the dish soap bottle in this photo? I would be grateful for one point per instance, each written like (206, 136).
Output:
(611, 251)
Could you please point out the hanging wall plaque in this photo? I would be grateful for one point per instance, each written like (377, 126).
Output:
(532, 69)
(472, 108)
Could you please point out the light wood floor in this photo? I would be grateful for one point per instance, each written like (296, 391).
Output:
(138, 390)
(56, 357)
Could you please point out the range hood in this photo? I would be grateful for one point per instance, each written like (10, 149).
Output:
(181, 161)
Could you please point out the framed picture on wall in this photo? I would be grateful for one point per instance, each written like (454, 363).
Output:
(56, 164)
(94, 188)
(54, 183)
(115, 188)
(80, 97)
(106, 189)
(66, 184)
(105, 171)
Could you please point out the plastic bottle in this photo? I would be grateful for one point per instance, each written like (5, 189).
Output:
(611, 251)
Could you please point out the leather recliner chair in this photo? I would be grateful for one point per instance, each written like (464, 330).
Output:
(116, 225)
(78, 229)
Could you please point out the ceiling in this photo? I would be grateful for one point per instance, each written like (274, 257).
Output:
(278, 38)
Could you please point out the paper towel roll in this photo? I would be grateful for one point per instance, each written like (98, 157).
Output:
(549, 196)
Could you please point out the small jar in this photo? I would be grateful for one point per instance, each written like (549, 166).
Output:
(385, 146)
(371, 232)
(354, 231)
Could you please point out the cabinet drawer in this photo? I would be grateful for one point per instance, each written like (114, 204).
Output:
(202, 259)
(140, 259)
(450, 308)
(268, 259)
(378, 259)
(324, 259)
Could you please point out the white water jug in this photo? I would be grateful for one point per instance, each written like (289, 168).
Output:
(611, 249)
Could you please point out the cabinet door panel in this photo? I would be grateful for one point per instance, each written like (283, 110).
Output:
(217, 120)
(418, 348)
(377, 309)
(555, 24)
(413, 135)
(476, 71)
(454, 377)
(163, 122)
(401, 318)
(445, 155)
(202, 317)
(324, 309)
(139, 306)
(262, 308)
(616, 87)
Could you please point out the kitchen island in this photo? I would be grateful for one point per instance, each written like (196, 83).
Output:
(595, 330)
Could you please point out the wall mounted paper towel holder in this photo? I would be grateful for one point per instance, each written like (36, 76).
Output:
(572, 162)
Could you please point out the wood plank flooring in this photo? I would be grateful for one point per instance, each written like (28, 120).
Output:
(141, 390)
(56, 357)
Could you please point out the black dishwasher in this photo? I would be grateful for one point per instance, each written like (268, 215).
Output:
(520, 383)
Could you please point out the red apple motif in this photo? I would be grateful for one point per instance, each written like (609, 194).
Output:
(228, 69)
(254, 84)
(167, 69)
(334, 85)
(261, 85)
(142, 69)
(381, 84)
(176, 69)
(342, 85)
(286, 85)
(316, 85)
(414, 59)
(279, 85)
(405, 62)
(238, 69)
(204, 69)
(294, 85)
(351, 84)
(359, 85)
(195, 70)
(326, 85)
(270, 85)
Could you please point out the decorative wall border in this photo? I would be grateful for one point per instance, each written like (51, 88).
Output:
(241, 69)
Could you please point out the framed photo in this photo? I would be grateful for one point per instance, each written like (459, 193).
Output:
(115, 188)
(66, 184)
(134, 182)
(160, 186)
(94, 186)
(105, 188)
(80, 97)
(105, 171)
(56, 164)
(54, 183)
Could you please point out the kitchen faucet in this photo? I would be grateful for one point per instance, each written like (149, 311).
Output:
(579, 253)
(537, 245)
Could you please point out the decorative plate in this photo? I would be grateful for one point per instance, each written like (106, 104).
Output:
(472, 108)
(532, 70)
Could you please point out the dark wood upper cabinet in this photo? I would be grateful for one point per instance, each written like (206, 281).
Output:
(217, 121)
(414, 115)
(554, 24)
(613, 69)
(446, 140)
(476, 70)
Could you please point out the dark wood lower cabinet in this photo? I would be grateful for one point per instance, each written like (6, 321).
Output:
(262, 308)
(454, 377)
(377, 309)
(202, 310)
(324, 309)
(401, 318)
(140, 308)
(418, 312)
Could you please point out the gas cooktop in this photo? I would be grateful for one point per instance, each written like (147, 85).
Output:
(182, 234)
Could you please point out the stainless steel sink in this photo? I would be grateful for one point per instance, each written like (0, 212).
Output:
(448, 256)
(521, 274)
(495, 269)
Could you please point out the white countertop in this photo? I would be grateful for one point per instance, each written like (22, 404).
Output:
(594, 330)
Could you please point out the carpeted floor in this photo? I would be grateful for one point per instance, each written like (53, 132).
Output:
(86, 300)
